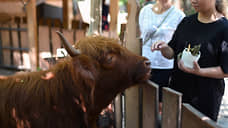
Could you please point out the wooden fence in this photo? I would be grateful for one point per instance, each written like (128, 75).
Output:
(175, 114)
(14, 44)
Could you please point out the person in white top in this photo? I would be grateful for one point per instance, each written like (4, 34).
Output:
(157, 22)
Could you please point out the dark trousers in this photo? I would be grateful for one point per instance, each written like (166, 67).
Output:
(208, 104)
(161, 77)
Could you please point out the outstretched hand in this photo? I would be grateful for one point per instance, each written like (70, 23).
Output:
(158, 45)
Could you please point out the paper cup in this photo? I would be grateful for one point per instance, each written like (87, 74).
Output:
(188, 58)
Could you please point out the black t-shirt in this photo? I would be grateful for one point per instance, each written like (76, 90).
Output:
(213, 38)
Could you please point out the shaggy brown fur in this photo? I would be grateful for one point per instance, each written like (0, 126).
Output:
(73, 92)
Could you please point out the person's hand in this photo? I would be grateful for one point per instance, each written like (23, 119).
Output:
(195, 70)
(159, 45)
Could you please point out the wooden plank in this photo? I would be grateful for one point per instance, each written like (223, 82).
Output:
(114, 10)
(192, 118)
(32, 34)
(132, 94)
(150, 105)
(67, 14)
(132, 107)
(1, 50)
(118, 111)
(122, 34)
(11, 45)
(132, 30)
(171, 108)
(19, 41)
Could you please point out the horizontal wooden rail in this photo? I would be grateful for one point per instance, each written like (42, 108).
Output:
(192, 118)
(16, 49)
(13, 29)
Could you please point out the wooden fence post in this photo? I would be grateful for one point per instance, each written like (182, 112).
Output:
(133, 44)
(114, 10)
(171, 108)
(67, 14)
(150, 105)
(118, 111)
(32, 34)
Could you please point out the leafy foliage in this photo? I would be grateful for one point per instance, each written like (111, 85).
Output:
(195, 50)
(124, 2)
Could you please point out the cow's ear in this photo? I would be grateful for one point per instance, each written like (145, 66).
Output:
(85, 74)
(110, 60)
(84, 70)
(84, 67)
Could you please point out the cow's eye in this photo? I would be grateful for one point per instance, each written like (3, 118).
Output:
(109, 60)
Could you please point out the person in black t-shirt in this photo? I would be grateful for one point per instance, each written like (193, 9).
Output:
(203, 85)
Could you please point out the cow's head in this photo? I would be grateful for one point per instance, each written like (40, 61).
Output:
(108, 67)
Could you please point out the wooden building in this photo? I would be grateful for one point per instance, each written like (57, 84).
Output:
(27, 31)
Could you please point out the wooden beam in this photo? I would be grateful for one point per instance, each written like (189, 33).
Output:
(132, 43)
(114, 9)
(32, 34)
(67, 13)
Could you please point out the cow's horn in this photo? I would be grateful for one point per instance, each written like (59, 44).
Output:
(72, 51)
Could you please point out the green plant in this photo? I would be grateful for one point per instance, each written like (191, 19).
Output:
(124, 2)
(195, 50)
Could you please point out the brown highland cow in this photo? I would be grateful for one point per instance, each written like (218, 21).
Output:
(74, 91)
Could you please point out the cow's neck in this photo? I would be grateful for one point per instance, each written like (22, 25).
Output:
(104, 96)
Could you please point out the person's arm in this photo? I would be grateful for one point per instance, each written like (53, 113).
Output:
(211, 72)
(165, 49)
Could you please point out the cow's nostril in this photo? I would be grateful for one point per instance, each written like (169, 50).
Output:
(147, 63)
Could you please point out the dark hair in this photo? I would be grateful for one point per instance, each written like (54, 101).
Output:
(220, 6)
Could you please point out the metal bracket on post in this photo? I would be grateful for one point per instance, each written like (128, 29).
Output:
(25, 4)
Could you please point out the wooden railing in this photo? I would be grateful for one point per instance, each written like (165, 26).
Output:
(171, 110)
(175, 114)
(14, 43)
